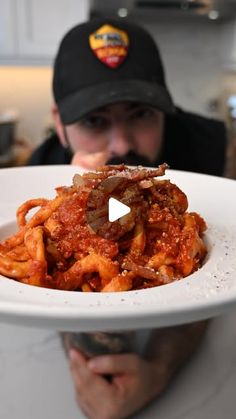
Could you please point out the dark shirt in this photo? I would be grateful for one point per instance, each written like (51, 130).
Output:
(191, 142)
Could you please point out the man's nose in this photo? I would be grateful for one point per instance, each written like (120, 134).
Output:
(120, 141)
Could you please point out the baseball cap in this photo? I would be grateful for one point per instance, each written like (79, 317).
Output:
(107, 61)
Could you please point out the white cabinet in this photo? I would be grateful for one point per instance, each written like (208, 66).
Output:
(7, 28)
(43, 22)
(30, 30)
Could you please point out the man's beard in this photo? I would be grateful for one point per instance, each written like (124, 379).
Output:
(130, 159)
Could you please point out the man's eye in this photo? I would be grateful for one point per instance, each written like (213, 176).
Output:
(93, 122)
(143, 113)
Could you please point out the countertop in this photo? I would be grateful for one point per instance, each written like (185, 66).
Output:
(36, 383)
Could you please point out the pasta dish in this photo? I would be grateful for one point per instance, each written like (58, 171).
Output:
(68, 242)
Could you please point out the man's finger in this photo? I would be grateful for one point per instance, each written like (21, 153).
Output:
(114, 364)
(83, 376)
(79, 370)
(90, 160)
(76, 357)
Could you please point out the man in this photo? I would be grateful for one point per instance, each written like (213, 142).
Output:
(112, 105)
(113, 100)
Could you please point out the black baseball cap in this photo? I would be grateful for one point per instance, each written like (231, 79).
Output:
(106, 61)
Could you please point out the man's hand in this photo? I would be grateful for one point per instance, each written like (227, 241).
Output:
(133, 383)
(116, 386)
(90, 161)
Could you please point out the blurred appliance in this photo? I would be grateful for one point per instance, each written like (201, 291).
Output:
(8, 121)
(165, 9)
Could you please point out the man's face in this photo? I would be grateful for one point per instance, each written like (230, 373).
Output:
(126, 132)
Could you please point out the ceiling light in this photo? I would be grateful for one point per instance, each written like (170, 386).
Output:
(213, 14)
(122, 12)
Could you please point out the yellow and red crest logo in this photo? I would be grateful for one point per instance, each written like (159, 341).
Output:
(110, 45)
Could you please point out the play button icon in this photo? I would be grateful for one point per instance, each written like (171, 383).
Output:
(116, 209)
(112, 208)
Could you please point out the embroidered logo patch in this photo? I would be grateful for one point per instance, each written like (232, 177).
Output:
(110, 45)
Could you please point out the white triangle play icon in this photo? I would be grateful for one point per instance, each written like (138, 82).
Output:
(116, 209)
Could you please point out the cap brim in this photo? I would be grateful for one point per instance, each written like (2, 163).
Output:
(90, 98)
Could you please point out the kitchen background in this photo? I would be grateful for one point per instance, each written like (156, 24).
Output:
(197, 40)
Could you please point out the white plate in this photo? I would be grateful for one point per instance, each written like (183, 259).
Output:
(208, 292)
